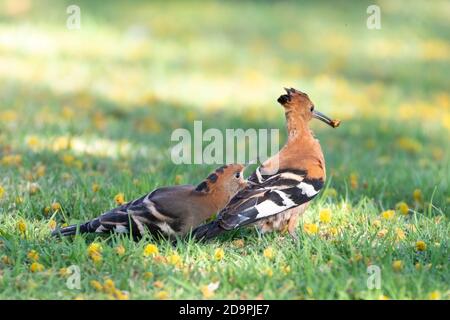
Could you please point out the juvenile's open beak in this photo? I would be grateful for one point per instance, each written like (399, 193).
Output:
(324, 118)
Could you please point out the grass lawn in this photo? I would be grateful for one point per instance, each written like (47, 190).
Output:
(87, 114)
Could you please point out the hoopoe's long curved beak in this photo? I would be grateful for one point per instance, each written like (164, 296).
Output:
(324, 118)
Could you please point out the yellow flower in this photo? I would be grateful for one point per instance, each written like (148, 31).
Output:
(377, 223)
(119, 198)
(56, 206)
(33, 142)
(325, 215)
(67, 112)
(63, 272)
(219, 254)
(162, 295)
(95, 187)
(310, 228)
(174, 259)
(383, 297)
(8, 116)
(61, 143)
(94, 248)
(96, 258)
(33, 255)
(286, 269)
(148, 275)
(418, 266)
(46, 210)
(403, 208)
(120, 250)
(268, 253)
(11, 159)
(208, 290)
(6, 259)
(354, 181)
(357, 257)
(382, 233)
(68, 159)
(21, 226)
(333, 231)
(36, 267)
(109, 286)
(397, 265)
(268, 272)
(239, 243)
(96, 285)
(150, 250)
(388, 214)
(417, 196)
(409, 145)
(94, 252)
(178, 179)
(40, 170)
(121, 295)
(2, 192)
(421, 245)
(435, 295)
(52, 224)
(400, 235)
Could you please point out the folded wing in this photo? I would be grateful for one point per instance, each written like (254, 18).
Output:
(268, 195)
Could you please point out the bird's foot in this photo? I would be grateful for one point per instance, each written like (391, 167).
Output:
(294, 236)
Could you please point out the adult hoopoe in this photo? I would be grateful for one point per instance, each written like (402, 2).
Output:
(168, 211)
(279, 191)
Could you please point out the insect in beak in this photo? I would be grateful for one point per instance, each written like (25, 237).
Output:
(324, 118)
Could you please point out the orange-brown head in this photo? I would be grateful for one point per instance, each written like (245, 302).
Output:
(297, 105)
(224, 182)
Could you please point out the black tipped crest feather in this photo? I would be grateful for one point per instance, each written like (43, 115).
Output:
(202, 187)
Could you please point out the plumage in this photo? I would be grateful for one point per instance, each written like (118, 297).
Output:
(168, 211)
(281, 188)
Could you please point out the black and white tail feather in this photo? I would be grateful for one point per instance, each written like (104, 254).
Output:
(136, 217)
(265, 196)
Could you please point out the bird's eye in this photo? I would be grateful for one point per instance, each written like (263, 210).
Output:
(312, 108)
(237, 175)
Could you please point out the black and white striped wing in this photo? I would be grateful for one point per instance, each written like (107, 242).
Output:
(268, 195)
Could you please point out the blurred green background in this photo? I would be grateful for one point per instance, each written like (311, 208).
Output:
(116, 88)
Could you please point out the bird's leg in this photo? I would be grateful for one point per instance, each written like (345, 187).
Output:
(259, 232)
(292, 224)
(294, 235)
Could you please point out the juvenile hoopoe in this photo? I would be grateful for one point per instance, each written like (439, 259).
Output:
(168, 211)
(279, 191)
